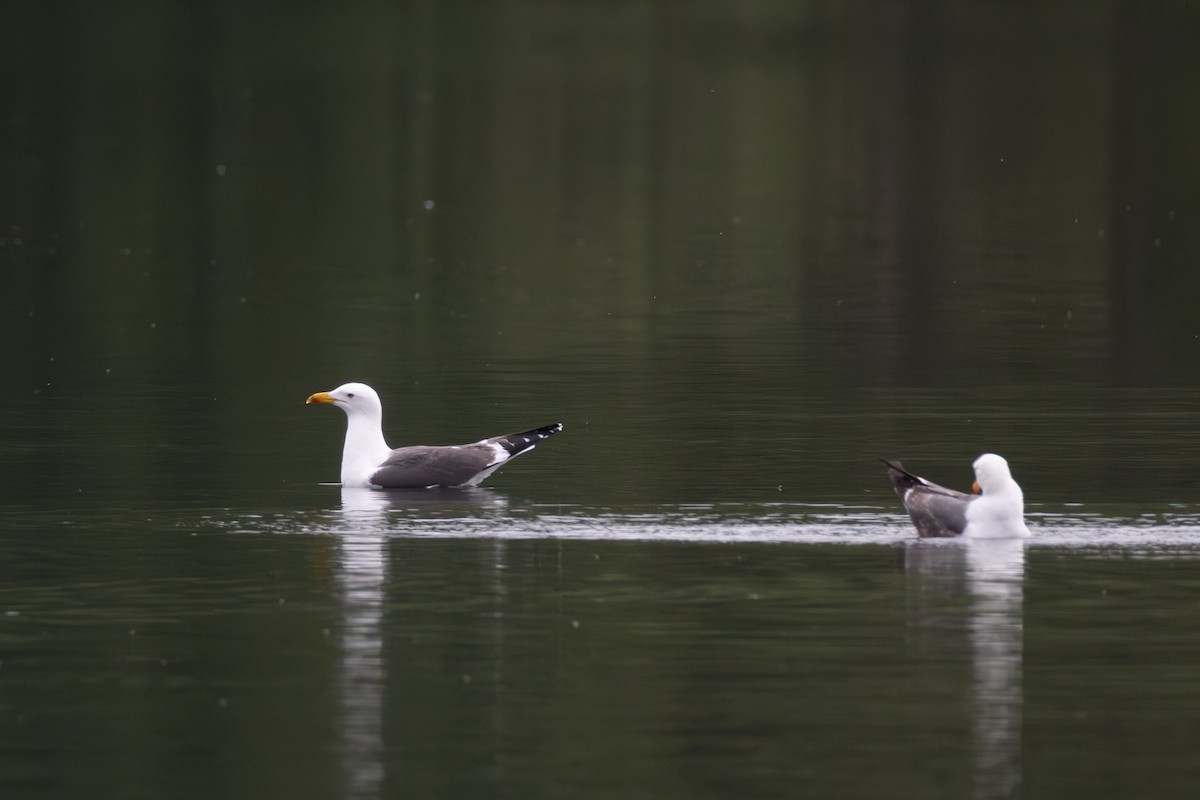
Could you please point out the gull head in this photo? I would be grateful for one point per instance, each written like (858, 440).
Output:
(992, 474)
(353, 398)
(1000, 511)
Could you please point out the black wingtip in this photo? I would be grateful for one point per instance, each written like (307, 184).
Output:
(898, 466)
(902, 479)
(516, 443)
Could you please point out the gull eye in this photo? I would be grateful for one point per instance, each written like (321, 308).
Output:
(351, 395)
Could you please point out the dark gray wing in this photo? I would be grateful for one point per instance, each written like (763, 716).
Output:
(935, 510)
(422, 467)
(935, 514)
(463, 465)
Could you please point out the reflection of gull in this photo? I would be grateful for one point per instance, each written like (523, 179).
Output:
(991, 572)
(362, 574)
(363, 508)
(393, 512)
(996, 574)
(363, 571)
(418, 502)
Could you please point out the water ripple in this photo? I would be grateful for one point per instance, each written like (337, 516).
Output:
(1172, 531)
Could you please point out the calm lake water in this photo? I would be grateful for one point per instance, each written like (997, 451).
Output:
(741, 250)
(357, 644)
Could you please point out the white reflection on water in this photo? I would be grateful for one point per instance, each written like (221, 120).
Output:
(996, 576)
(992, 573)
(362, 573)
(362, 526)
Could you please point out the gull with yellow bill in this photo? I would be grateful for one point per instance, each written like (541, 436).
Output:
(367, 461)
(996, 511)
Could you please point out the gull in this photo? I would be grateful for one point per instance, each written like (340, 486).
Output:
(367, 461)
(996, 512)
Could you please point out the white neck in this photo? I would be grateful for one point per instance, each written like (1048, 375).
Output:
(365, 448)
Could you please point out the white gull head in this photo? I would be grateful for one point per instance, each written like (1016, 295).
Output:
(365, 448)
(1000, 510)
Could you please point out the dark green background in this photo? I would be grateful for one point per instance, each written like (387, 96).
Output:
(717, 240)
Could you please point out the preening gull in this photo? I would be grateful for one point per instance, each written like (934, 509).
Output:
(997, 512)
(367, 461)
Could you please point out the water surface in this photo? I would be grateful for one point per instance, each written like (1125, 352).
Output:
(360, 646)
